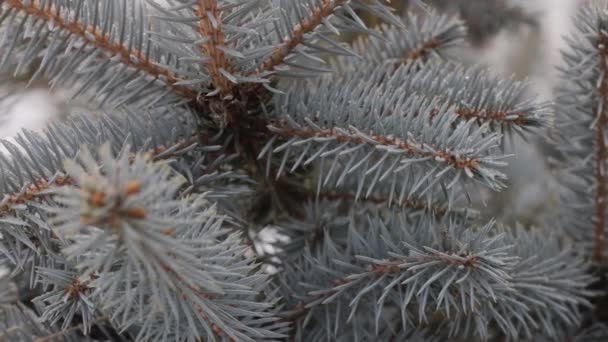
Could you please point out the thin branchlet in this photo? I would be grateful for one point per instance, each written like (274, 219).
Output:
(383, 200)
(217, 330)
(601, 155)
(210, 28)
(390, 267)
(423, 51)
(296, 37)
(455, 161)
(490, 116)
(93, 35)
(32, 191)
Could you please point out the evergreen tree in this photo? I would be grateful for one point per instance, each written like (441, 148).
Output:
(201, 125)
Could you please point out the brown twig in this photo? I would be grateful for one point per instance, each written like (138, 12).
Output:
(61, 333)
(497, 116)
(210, 27)
(31, 191)
(601, 192)
(458, 162)
(422, 51)
(327, 8)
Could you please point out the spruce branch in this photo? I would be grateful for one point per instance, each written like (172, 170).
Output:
(210, 27)
(355, 137)
(505, 105)
(46, 160)
(28, 241)
(424, 39)
(476, 280)
(582, 118)
(316, 16)
(59, 16)
(141, 240)
(382, 140)
(20, 323)
(601, 157)
(30, 192)
(307, 29)
(69, 295)
(365, 177)
(385, 200)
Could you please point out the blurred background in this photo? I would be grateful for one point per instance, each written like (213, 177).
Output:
(515, 38)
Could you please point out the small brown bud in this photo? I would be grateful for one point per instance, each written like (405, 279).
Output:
(132, 187)
(97, 199)
(216, 329)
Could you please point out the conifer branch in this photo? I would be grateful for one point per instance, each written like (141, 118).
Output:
(499, 117)
(127, 55)
(373, 271)
(63, 333)
(385, 201)
(33, 190)
(507, 108)
(217, 331)
(421, 52)
(132, 202)
(30, 190)
(210, 28)
(296, 37)
(471, 273)
(601, 155)
(425, 38)
(342, 136)
(492, 117)
(359, 176)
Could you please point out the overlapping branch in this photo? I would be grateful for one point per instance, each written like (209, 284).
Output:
(316, 17)
(470, 276)
(469, 164)
(133, 202)
(601, 155)
(582, 117)
(423, 39)
(385, 201)
(422, 51)
(210, 27)
(93, 35)
(387, 268)
(506, 106)
(33, 190)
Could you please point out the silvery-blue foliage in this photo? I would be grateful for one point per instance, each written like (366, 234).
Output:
(210, 122)
(581, 128)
